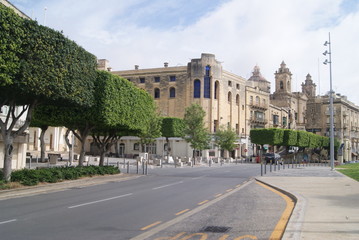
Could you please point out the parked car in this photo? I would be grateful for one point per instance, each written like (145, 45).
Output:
(271, 157)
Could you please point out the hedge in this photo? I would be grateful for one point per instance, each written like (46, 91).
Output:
(30, 177)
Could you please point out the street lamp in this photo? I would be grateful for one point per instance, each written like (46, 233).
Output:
(329, 53)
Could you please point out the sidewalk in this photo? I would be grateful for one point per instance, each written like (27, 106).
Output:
(327, 202)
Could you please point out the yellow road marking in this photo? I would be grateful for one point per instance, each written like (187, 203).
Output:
(229, 190)
(282, 223)
(151, 225)
(171, 238)
(204, 236)
(238, 185)
(179, 213)
(224, 237)
(246, 236)
(218, 195)
(203, 202)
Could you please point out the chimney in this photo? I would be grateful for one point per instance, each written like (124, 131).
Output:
(136, 67)
(166, 64)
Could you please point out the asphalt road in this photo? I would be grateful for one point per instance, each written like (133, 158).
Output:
(195, 202)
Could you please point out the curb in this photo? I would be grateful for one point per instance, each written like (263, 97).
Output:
(295, 224)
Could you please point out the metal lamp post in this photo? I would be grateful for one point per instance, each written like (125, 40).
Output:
(329, 52)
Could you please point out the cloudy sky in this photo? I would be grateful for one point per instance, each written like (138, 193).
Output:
(241, 33)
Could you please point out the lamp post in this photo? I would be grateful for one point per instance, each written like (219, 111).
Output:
(329, 53)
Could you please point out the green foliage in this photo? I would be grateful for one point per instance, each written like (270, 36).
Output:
(290, 137)
(11, 35)
(172, 127)
(152, 130)
(225, 138)
(40, 64)
(325, 142)
(350, 170)
(315, 141)
(32, 177)
(272, 136)
(303, 139)
(195, 132)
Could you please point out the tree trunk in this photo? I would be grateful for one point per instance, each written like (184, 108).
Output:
(9, 134)
(82, 138)
(102, 157)
(69, 145)
(8, 147)
(42, 143)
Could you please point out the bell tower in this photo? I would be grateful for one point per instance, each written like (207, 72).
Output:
(283, 79)
(309, 88)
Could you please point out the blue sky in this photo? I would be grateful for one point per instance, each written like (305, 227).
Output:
(241, 33)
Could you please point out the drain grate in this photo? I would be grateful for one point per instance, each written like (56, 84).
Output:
(216, 229)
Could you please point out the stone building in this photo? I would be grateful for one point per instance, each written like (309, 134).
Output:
(294, 102)
(346, 123)
(203, 81)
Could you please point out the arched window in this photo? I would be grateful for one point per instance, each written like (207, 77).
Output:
(281, 84)
(237, 99)
(229, 97)
(207, 83)
(172, 92)
(258, 101)
(288, 85)
(157, 93)
(216, 90)
(251, 100)
(197, 88)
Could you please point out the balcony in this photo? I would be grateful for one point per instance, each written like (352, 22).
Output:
(259, 106)
(258, 120)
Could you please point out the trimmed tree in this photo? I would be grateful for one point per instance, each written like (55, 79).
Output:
(38, 65)
(171, 127)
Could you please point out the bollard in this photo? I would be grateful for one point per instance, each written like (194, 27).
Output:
(128, 167)
(275, 165)
(118, 164)
(143, 168)
(161, 163)
(261, 168)
(124, 163)
(270, 166)
(265, 168)
(30, 162)
(209, 162)
(89, 162)
(174, 160)
(192, 162)
(137, 167)
(146, 167)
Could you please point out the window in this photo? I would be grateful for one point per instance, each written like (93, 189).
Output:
(275, 119)
(230, 83)
(258, 101)
(157, 93)
(284, 121)
(197, 89)
(237, 128)
(172, 78)
(172, 92)
(216, 90)
(237, 99)
(129, 79)
(229, 97)
(281, 84)
(237, 86)
(207, 83)
(251, 100)
(157, 79)
(142, 80)
(136, 146)
(296, 116)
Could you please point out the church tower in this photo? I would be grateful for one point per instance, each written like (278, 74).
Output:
(309, 88)
(283, 79)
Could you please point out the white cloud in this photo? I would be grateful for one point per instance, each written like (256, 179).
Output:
(241, 33)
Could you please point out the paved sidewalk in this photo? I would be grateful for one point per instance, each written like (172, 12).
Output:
(327, 202)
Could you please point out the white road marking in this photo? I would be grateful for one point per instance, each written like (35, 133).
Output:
(199, 177)
(167, 185)
(8, 221)
(102, 200)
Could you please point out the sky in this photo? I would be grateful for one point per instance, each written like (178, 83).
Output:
(241, 34)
